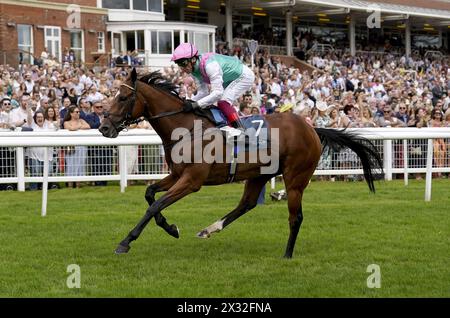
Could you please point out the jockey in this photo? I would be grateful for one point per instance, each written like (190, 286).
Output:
(227, 76)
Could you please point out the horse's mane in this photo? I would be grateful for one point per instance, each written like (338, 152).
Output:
(157, 80)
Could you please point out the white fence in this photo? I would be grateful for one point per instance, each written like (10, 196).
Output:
(138, 155)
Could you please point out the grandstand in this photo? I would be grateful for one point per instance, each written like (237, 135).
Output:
(395, 74)
(151, 29)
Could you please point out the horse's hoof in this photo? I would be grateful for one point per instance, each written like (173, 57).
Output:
(122, 249)
(174, 231)
(203, 234)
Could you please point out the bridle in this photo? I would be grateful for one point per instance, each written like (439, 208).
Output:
(127, 121)
(122, 125)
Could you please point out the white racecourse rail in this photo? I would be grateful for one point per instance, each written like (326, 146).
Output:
(394, 145)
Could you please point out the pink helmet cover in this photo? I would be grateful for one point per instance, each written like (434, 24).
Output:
(184, 51)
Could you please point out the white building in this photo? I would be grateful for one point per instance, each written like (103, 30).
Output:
(140, 25)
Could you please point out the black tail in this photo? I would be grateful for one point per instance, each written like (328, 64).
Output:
(364, 149)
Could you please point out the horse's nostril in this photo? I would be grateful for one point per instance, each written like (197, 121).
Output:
(104, 128)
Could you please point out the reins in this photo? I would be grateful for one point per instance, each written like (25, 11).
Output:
(129, 113)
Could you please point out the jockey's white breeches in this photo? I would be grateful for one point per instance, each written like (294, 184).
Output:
(239, 86)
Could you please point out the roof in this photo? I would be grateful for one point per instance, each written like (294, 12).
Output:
(369, 6)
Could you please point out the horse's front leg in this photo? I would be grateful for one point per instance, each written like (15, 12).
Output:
(163, 185)
(184, 186)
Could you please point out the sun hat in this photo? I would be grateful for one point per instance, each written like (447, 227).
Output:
(321, 106)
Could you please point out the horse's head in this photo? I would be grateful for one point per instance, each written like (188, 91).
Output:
(127, 107)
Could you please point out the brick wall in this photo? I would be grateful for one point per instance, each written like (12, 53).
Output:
(40, 17)
(89, 3)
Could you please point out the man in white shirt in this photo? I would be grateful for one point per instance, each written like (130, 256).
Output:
(44, 55)
(5, 114)
(79, 87)
(294, 81)
(275, 87)
(28, 83)
(20, 114)
(84, 80)
(94, 95)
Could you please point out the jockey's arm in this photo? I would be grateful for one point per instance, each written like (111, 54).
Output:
(202, 91)
(215, 74)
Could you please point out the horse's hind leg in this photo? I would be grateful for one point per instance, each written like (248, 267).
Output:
(162, 185)
(295, 187)
(295, 219)
(248, 201)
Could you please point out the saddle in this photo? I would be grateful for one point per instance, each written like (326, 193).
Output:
(256, 134)
(254, 138)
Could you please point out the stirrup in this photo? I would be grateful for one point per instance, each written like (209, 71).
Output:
(231, 131)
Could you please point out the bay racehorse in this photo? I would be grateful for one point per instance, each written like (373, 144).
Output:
(299, 145)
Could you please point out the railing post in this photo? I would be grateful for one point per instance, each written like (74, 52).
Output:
(45, 183)
(122, 168)
(387, 159)
(405, 161)
(428, 178)
(20, 165)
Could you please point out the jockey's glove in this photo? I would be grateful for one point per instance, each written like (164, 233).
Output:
(190, 105)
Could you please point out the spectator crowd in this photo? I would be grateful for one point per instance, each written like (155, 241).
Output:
(365, 90)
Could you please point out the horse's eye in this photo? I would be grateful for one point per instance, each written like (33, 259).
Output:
(122, 98)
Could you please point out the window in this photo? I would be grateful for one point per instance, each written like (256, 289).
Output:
(154, 5)
(52, 41)
(117, 43)
(176, 38)
(165, 42)
(25, 41)
(76, 44)
(211, 42)
(130, 40)
(140, 40)
(101, 41)
(201, 42)
(200, 39)
(116, 4)
(161, 42)
(154, 41)
(135, 40)
(140, 5)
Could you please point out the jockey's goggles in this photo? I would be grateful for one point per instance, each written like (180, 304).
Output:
(182, 62)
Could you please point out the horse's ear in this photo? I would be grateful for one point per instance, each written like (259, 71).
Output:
(133, 75)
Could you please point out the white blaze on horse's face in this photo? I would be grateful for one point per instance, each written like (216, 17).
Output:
(117, 94)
